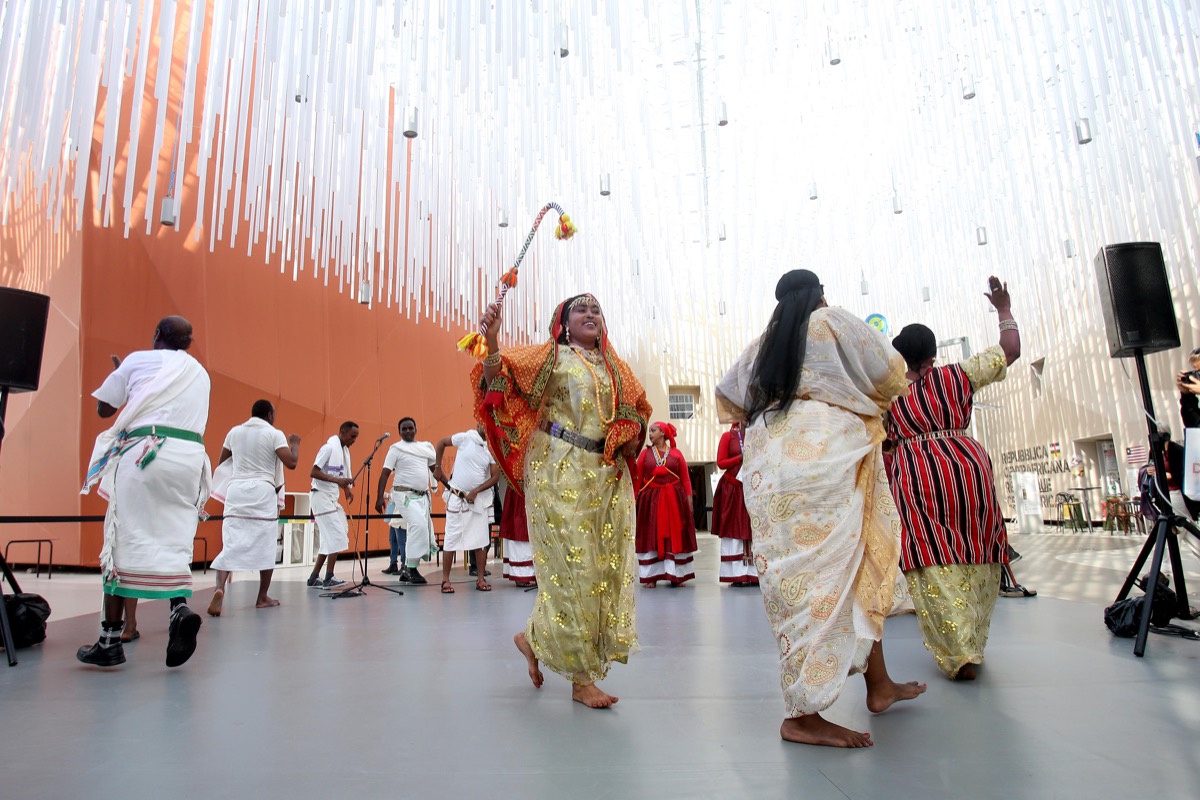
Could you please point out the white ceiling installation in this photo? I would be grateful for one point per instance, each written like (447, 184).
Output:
(289, 108)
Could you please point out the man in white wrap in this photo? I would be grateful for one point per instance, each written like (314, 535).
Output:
(411, 462)
(468, 499)
(152, 468)
(332, 470)
(249, 481)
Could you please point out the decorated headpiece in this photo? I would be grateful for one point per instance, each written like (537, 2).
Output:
(668, 432)
(474, 342)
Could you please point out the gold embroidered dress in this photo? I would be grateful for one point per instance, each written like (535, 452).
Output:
(825, 530)
(581, 530)
(579, 503)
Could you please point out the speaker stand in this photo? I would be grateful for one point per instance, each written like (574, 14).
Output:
(6, 574)
(1164, 538)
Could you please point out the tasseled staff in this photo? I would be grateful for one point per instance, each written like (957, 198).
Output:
(475, 343)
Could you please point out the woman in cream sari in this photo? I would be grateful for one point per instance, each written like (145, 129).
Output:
(811, 392)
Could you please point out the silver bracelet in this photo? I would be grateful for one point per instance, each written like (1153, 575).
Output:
(1009, 325)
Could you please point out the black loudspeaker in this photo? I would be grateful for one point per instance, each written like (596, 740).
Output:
(1136, 299)
(22, 336)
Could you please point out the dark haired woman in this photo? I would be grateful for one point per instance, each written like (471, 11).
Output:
(564, 420)
(954, 543)
(812, 391)
(730, 520)
(666, 529)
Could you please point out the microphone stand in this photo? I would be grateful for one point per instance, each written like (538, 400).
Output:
(361, 587)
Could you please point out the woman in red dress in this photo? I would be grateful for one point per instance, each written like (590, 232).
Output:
(666, 531)
(514, 530)
(731, 521)
(954, 545)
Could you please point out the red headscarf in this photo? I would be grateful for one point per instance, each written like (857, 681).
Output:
(669, 432)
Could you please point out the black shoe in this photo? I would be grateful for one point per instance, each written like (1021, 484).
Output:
(416, 577)
(403, 574)
(392, 570)
(99, 656)
(181, 637)
(474, 573)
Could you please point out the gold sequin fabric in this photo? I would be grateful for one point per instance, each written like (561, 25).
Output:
(581, 530)
(954, 611)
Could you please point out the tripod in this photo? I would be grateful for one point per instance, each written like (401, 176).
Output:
(361, 587)
(1165, 534)
(10, 649)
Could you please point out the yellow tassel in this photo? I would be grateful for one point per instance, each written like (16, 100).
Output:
(475, 344)
(565, 228)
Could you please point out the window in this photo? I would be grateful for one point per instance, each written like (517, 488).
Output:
(682, 401)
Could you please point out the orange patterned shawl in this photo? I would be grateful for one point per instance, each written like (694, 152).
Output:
(510, 407)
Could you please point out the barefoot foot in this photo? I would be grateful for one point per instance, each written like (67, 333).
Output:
(881, 698)
(591, 696)
(535, 673)
(214, 606)
(966, 672)
(266, 602)
(815, 729)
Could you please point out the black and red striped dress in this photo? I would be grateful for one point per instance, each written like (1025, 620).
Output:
(942, 478)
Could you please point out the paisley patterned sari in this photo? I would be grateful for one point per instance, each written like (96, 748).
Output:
(825, 530)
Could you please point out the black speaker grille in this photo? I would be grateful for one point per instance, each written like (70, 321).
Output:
(22, 337)
(1135, 297)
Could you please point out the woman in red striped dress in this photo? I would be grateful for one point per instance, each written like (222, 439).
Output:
(954, 544)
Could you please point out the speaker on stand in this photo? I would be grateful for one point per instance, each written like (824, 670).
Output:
(1139, 317)
(22, 336)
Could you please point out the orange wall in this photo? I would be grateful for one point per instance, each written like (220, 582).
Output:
(39, 470)
(319, 355)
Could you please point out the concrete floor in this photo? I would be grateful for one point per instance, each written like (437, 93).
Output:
(424, 695)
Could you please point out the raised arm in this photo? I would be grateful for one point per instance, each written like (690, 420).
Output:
(1010, 335)
(491, 364)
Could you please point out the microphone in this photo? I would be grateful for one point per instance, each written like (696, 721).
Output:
(381, 438)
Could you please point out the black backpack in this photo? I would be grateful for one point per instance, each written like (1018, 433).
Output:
(27, 614)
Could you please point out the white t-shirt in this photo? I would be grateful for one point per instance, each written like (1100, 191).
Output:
(472, 462)
(253, 444)
(188, 410)
(332, 459)
(410, 463)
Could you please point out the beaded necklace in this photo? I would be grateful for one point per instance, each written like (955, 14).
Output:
(660, 461)
(596, 388)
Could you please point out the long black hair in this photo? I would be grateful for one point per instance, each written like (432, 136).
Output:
(776, 375)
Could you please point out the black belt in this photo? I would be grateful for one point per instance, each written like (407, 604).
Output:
(410, 491)
(571, 437)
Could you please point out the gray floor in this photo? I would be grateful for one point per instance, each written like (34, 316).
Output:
(424, 695)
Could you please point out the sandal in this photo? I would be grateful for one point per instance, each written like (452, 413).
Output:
(447, 588)
(130, 638)
(482, 586)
